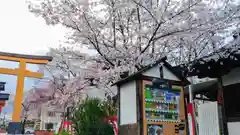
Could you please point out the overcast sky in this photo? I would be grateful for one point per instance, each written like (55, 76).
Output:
(22, 32)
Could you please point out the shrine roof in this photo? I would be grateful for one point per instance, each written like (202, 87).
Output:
(35, 57)
(215, 64)
(139, 73)
(4, 96)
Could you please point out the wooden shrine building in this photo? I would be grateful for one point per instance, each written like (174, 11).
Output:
(3, 96)
(151, 101)
(223, 66)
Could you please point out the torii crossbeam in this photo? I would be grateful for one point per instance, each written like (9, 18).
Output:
(21, 72)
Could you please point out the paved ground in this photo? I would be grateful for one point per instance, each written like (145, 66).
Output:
(16, 134)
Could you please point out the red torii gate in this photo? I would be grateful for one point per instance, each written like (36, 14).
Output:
(21, 72)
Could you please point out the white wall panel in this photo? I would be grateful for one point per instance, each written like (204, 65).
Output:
(208, 119)
(128, 105)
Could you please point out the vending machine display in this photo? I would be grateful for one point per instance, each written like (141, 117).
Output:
(161, 104)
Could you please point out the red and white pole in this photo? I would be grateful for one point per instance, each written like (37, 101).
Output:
(114, 122)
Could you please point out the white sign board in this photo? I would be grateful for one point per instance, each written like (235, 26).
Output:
(209, 119)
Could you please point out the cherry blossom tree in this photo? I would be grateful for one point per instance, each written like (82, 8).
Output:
(132, 33)
(67, 81)
(127, 35)
(32, 102)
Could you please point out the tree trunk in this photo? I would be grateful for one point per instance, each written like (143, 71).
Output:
(23, 125)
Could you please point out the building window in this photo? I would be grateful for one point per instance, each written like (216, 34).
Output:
(51, 114)
(49, 126)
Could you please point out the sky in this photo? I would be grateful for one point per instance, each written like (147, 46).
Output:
(22, 32)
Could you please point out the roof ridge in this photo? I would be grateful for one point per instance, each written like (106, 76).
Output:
(36, 57)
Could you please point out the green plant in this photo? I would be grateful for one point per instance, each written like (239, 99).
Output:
(109, 106)
(89, 118)
(64, 132)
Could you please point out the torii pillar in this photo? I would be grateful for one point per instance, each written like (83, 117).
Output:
(21, 72)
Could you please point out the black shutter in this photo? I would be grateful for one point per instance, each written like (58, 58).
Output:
(231, 96)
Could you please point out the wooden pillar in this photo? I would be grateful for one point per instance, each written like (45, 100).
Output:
(222, 107)
(19, 93)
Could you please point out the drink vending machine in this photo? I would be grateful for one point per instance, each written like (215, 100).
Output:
(163, 109)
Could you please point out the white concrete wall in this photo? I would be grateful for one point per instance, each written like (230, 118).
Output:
(234, 128)
(232, 77)
(154, 72)
(128, 103)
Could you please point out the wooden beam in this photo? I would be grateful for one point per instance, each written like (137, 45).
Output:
(16, 71)
(28, 60)
(9, 71)
(24, 56)
(28, 73)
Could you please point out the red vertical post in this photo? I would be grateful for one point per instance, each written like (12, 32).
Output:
(2, 103)
(191, 122)
(113, 121)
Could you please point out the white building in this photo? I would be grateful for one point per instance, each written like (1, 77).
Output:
(50, 117)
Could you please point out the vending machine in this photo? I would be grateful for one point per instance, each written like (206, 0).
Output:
(163, 108)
